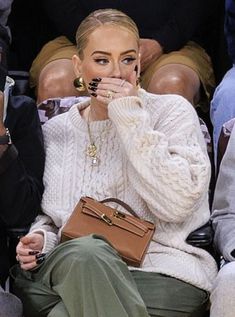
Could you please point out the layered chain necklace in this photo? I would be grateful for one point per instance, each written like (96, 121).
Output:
(91, 150)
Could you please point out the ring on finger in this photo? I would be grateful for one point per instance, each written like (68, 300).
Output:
(122, 82)
(109, 94)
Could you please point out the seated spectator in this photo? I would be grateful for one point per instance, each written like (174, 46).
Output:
(147, 150)
(222, 105)
(223, 220)
(174, 35)
(21, 169)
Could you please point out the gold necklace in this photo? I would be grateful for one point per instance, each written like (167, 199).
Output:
(91, 150)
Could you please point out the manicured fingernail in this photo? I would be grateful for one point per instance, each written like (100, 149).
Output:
(40, 255)
(93, 84)
(97, 79)
(39, 261)
(93, 94)
(136, 69)
(33, 252)
(92, 88)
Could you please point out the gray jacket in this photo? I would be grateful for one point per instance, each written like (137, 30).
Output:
(223, 209)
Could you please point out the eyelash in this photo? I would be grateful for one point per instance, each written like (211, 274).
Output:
(104, 61)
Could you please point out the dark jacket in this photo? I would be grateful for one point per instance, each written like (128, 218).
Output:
(21, 171)
(171, 22)
(230, 27)
(21, 166)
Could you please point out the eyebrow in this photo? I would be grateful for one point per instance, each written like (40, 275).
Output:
(109, 54)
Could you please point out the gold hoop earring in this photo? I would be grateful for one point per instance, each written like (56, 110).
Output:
(79, 84)
(138, 81)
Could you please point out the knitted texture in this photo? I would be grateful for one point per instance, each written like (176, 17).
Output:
(152, 156)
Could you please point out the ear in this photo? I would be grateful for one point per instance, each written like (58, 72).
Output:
(77, 63)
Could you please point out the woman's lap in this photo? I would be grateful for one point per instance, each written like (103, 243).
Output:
(163, 295)
(167, 296)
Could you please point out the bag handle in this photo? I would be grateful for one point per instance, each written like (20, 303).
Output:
(121, 203)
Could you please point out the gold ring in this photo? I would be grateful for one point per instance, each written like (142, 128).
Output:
(109, 94)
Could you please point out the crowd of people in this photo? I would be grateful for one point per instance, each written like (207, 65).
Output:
(144, 68)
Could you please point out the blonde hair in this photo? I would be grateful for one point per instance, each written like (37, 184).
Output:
(102, 17)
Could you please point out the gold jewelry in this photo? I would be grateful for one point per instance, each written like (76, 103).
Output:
(122, 82)
(138, 81)
(91, 148)
(109, 94)
(79, 84)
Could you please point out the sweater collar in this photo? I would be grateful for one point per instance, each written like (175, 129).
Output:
(79, 123)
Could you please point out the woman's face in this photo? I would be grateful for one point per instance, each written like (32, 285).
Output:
(111, 51)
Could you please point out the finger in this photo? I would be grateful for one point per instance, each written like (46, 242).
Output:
(111, 81)
(118, 87)
(106, 93)
(23, 252)
(25, 264)
(26, 259)
(26, 239)
(31, 241)
(28, 266)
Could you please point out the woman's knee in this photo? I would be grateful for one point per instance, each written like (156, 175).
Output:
(86, 248)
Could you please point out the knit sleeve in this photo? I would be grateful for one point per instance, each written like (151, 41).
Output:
(45, 225)
(166, 162)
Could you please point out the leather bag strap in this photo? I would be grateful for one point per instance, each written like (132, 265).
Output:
(121, 203)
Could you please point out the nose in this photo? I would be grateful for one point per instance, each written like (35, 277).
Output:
(116, 70)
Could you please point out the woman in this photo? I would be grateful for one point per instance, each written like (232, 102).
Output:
(144, 149)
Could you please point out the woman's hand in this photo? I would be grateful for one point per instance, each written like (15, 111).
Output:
(107, 89)
(29, 251)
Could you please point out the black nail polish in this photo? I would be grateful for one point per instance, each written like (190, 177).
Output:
(93, 84)
(97, 79)
(40, 255)
(39, 261)
(93, 94)
(92, 88)
(33, 252)
(136, 68)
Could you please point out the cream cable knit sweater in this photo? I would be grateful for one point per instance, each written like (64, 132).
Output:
(153, 157)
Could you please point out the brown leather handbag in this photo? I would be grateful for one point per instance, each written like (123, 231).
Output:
(128, 234)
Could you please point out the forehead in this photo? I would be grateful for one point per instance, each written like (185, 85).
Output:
(109, 37)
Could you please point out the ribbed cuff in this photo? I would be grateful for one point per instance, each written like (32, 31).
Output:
(8, 157)
(50, 240)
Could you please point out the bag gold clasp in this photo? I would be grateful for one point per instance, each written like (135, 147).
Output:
(119, 214)
(106, 219)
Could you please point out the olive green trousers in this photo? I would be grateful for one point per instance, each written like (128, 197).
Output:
(85, 277)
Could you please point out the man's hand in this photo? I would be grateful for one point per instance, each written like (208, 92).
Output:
(150, 50)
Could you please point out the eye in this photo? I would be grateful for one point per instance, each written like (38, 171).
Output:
(101, 61)
(129, 60)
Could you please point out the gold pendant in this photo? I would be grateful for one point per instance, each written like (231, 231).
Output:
(91, 150)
